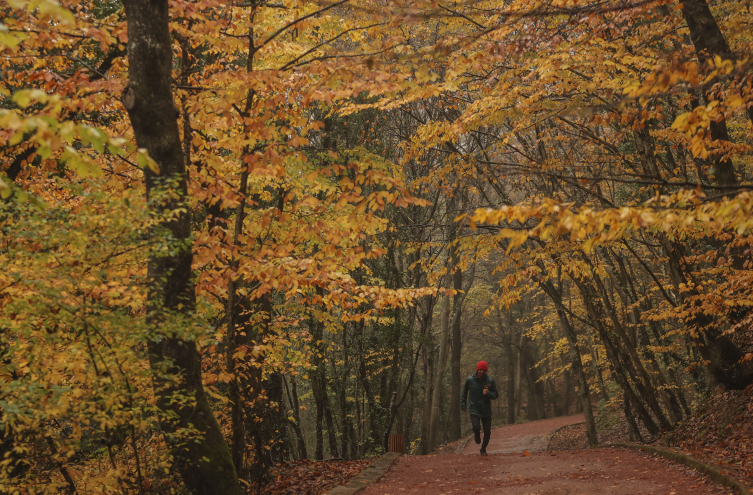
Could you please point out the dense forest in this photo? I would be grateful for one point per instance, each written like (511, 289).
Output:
(240, 232)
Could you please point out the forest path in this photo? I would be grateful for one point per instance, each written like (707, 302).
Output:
(532, 436)
(531, 471)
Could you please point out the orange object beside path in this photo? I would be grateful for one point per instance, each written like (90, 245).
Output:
(397, 444)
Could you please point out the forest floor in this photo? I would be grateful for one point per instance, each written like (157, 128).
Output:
(529, 470)
(719, 433)
(311, 477)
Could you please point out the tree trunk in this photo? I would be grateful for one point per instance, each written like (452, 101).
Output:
(316, 385)
(518, 374)
(708, 41)
(204, 463)
(614, 357)
(233, 340)
(597, 371)
(274, 420)
(457, 346)
(428, 362)
(568, 387)
(296, 424)
(643, 382)
(535, 386)
(724, 359)
(632, 425)
(631, 306)
(555, 295)
(347, 424)
(444, 348)
(510, 374)
(319, 452)
(331, 433)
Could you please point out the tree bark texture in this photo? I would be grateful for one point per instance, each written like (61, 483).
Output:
(204, 463)
(438, 377)
(723, 357)
(511, 364)
(621, 370)
(457, 347)
(709, 41)
(296, 422)
(536, 388)
(575, 360)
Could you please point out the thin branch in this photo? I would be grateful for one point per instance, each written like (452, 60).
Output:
(296, 21)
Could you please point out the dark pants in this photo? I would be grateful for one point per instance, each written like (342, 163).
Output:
(487, 424)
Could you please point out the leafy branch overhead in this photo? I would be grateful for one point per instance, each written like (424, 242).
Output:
(240, 233)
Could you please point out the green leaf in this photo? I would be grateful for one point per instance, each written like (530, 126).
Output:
(44, 151)
(24, 97)
(82, 167)
(16, 138)
(5, 190)
(10, 40)
(145, 161)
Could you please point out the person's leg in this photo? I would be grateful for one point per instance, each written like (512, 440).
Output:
(487, 422)
(475, 423)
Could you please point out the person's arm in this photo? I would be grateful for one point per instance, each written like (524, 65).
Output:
(493, 390)
(463, 396)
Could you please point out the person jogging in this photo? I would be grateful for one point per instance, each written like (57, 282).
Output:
(482, 390)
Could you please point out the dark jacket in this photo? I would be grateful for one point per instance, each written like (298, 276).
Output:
(480, 404)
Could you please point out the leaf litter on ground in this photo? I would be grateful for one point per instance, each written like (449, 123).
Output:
(719, 433)
(311, 477)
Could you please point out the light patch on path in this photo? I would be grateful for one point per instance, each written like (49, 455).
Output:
(532, 436)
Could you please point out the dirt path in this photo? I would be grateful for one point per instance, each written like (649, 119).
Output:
(517, 465)
(532, 436)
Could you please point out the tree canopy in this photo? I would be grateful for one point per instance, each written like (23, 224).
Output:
(216, 215)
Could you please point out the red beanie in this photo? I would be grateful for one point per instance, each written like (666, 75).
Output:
(482, 366)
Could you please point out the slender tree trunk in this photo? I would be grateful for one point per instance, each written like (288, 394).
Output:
(296, 424)
(273, 425)
(444, 349)
(347, 424)
(428, 358)
(631, 307)
(510, 374)
(518, 375)
(331, 432)
(614, 357)
(409, 417)
(632, 425)
(237, 416)
(643, 381)
(724, 359)
(205, 463)
(319, 452)
(316, 385)
(577, 364)
(535, 386)
(457, 346)
(597, 372)
(568, 388)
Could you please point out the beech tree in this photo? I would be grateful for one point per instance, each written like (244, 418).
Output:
(239, 233)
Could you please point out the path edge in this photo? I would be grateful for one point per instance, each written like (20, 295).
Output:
(463, 445)
(367, 477)
(551, 435)
(710, 472)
